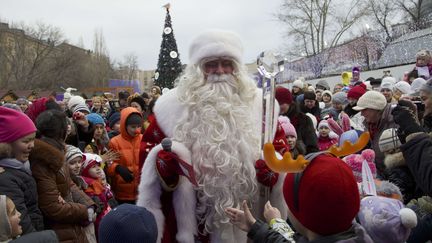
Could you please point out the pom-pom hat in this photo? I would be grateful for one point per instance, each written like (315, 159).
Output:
(386, 219)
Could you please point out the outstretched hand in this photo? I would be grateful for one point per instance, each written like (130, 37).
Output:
(109, 156)
(271, 212)
(243, 219)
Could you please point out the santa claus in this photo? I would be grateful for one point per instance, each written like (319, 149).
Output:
(214, 119)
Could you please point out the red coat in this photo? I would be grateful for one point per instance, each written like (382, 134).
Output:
(325, 143)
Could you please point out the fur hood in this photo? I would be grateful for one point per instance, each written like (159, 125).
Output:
(394, 160)
(47, 154)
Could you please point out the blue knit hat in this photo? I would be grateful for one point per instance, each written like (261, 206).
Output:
(95, 118)
(113, 119)
(128, 223)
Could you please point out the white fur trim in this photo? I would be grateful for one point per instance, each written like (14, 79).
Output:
(394, 160)
(168, 111)
(216, 43)
(184, 198)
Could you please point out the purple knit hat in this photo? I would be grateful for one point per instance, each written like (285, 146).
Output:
(386, 219)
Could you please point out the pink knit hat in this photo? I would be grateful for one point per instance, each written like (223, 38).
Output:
(287, 126)
(14, 125)
(355, 162)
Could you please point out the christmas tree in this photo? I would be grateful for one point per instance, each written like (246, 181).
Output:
(169, 65)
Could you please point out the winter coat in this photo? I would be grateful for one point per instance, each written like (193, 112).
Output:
(261, 232)
(18, 184)
(427, 123)
(325, 143)
(417, 151)
(99, 195)
(46, 236)
(386, 121)
(422, 232)
(399, 174)
(53, 180)
(129, 149)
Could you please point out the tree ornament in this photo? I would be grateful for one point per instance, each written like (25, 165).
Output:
(173, 54)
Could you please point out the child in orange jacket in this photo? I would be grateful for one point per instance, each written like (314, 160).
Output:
(124, 172)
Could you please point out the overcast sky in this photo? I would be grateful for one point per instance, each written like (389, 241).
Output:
(135, 26)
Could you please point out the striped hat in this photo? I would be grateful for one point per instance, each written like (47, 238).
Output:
(389, 140)
(81, 108)
(72, 152)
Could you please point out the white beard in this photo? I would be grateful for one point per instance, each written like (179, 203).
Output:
(218, 130)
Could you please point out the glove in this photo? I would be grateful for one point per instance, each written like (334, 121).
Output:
(167, 166)
(264, 175)
(404, 117)
(125, 173)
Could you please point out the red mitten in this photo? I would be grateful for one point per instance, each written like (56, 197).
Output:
(167, 166)
(264, 175)
(279, 142)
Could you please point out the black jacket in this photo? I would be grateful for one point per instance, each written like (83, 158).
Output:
(261, 232)
(398, 173)
(304, 128)
(20, 186)
(46, 236)
(418, 156)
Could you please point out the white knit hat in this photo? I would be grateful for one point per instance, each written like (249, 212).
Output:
(389, 140)
(389, 80)
(298, 83)
(388, 83)
(416, 86)
(403, 87)
(371, 100)
(216, 43)
(327, 92)
(74, 101)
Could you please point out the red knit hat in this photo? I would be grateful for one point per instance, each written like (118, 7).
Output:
(356, 92)
(325, 198)
(14, 125)
(283, 95)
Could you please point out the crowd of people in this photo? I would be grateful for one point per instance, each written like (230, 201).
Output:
(103, 170)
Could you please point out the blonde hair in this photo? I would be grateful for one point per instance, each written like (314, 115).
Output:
(97, 98)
